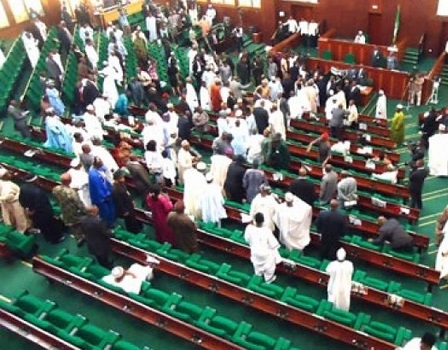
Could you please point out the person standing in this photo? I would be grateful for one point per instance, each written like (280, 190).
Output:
(80, 181)
(37, 206)
(252, 181)
(340, 281)
(212, 202)
(442, 255)
(264, 246)
(160, 206)
(416, 182)
(19, 118)
(184, 229)
(293, 219)
(381, 106)
(72, 208)
(277, 153)
(397, 126)
(97, 236)
(194, 184)
(233, 186)
(124, 206)
(328, 186)
(337, 122)
(347, 189)
(440, 226)
(332, 225)
(303, 188)
(12, 212)
(139, 175)
(101, 191)
(266, 203)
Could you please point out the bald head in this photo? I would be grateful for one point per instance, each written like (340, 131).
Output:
(328, 168)
(66, 178)
(334, 204)
(302, 172)
(381, 220)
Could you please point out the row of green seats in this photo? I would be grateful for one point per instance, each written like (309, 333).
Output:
(136, 18)
(30, 166)
(20, 244)
(103, 43)
(300, 258)
(255, 283)
(173, 304)
(70, 80)
(131, 59)
(74, 329)
(183, 60)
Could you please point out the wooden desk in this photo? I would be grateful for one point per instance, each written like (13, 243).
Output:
(112, 14)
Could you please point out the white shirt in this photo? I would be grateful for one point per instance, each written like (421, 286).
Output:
(414, 344)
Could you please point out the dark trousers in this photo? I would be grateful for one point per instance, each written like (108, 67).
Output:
(336, 131)
(416, 200)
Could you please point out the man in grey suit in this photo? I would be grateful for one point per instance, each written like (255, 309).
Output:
(140, 177)
(337, 122)
(19, 118)
(347, 189)
(54, 71)
(329, 185)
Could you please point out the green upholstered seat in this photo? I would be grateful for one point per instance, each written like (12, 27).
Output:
(411, 256)
(350, 58)
(327, 55)
(196, 261)
(303, 302)
(32, 305)
(258, 285)
(64, 320)
(124, 345)
(43, 324)
(220, 326)
(72, 339)
(361, 277)
(19, 243)
(96, 336)
(225, 272)
(381, 330)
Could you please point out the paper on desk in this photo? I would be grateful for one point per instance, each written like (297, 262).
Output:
(245, 219)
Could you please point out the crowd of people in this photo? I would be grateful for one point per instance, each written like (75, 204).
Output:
(251, 132)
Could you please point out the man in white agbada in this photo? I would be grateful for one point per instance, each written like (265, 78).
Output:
(194, 185)
(98, 150)
(151, 27)
(442, 254)
(266, 203)
(437, 160)
(131, 280)
(154, 131)
(277, 122)
(80, 181)
(381, 106)
(31, 48)
(92, 54)
(114, 62)
(426, 342)
(191, 96)
(109, 85)
(293, 219)
(204, 97)
(212, 202)
(92, 123)
(264, 246)
(218, 169)
(340, 282)
(184, 160)
(102, 107)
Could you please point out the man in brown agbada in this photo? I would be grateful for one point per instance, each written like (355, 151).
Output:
(184, 228)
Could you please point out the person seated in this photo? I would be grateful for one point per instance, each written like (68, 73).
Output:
(360, 38)
(131, 280)
(391, 231)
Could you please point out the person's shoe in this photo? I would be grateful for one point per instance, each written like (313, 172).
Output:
(273, 278)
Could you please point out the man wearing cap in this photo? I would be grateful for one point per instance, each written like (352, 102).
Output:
(426, 342)
(266, 203)
(92, 123)
(264, 246)
(194, 184)
(332, 225)
(212, 202)
(131, 280)
(293, 219)
(397, 126)
(80, 181)
(381, 106)
(57, 134)
(37, 206)
(185, 160)
(12, 212)
(72, 208)
(340, 281)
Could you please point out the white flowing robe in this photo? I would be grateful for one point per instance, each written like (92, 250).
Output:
(184, 162)
(266, 205)
(381, 107)
(191, 97)
(194, 185)
(277, 123)
(32, 49)
(114, 62)
(80, 182)
(212, 204)
(294, 224)
(108, 161)
(151, 26)
(109, 86)
(219, 166)
(437, 155)
(204, 96)
(442, 254)
(264, 253)
(340, 283)
(132, 283)
(93, 126)
(92, 56)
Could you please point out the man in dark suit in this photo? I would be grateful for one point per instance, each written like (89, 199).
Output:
(392, 232)
(355, 93)
(54, 71)
(234, 180)
(97, 236)
(261, 117)
(416, 181)
(332, 225)
(303, 188)
(88, 93)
